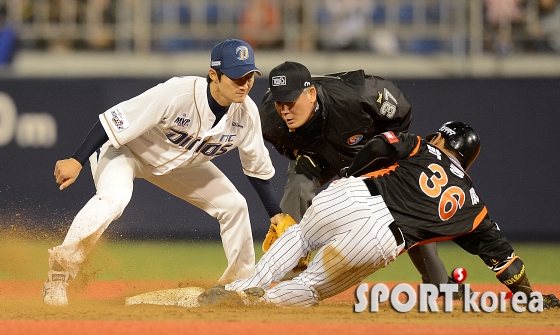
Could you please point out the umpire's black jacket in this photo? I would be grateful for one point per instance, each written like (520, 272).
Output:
(353, 107)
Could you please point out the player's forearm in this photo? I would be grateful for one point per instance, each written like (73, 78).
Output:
(93, 141)
(266, 194)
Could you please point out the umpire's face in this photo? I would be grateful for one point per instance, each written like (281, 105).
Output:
(298, 112)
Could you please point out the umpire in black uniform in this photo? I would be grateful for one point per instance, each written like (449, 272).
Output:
(320, 123)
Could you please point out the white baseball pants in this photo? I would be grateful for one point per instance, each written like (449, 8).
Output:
(204, 186)
(349, 226)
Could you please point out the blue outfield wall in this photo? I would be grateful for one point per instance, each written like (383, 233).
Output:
(43, 120)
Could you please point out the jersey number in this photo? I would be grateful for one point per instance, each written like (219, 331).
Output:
(452, 198)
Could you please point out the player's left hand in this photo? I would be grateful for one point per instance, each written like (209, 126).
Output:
(309, 166)
(66, 171)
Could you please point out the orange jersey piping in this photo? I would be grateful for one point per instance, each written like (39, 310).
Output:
(476, 222)
(388, 169)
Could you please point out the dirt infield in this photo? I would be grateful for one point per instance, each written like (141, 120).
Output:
(98, 308)
(249, 328)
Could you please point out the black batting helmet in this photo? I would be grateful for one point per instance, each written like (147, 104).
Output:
(462, 138)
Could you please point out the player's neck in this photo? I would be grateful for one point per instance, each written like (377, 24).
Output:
(218, 96)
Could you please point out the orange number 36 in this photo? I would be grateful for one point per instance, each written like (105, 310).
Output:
(451, 199)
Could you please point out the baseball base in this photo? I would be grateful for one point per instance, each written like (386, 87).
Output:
(182, 297)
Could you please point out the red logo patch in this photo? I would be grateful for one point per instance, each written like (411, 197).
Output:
(390, 136)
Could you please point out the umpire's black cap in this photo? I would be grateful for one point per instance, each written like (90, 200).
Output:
(288, 80)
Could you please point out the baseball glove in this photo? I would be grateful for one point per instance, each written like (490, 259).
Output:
(277, 229)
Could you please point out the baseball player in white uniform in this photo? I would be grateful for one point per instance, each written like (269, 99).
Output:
(168, 135)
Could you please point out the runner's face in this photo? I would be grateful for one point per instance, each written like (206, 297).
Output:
(234, 90)
(298, 112)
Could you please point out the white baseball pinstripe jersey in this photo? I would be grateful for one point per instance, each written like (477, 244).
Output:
(170, 126)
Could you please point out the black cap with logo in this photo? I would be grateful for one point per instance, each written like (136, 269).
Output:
(288, 80)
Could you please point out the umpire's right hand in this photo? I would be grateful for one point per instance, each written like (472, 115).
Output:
(309, 166)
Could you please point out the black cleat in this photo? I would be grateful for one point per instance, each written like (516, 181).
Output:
(550, 301)
(460, 295)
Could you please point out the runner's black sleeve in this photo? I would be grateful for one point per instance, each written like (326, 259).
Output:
(487, 242)
(265, 192)
(94, 140)
(375, 155)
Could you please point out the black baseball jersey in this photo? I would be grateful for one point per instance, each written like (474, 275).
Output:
(433, 199)
(353, 107)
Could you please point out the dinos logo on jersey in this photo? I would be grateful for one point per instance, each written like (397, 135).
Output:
(182, 121)
(355, 139)
(119, 120)
(199, 144)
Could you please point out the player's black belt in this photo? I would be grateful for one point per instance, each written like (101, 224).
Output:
(393, 226)
(397, 233)
(371, 187)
